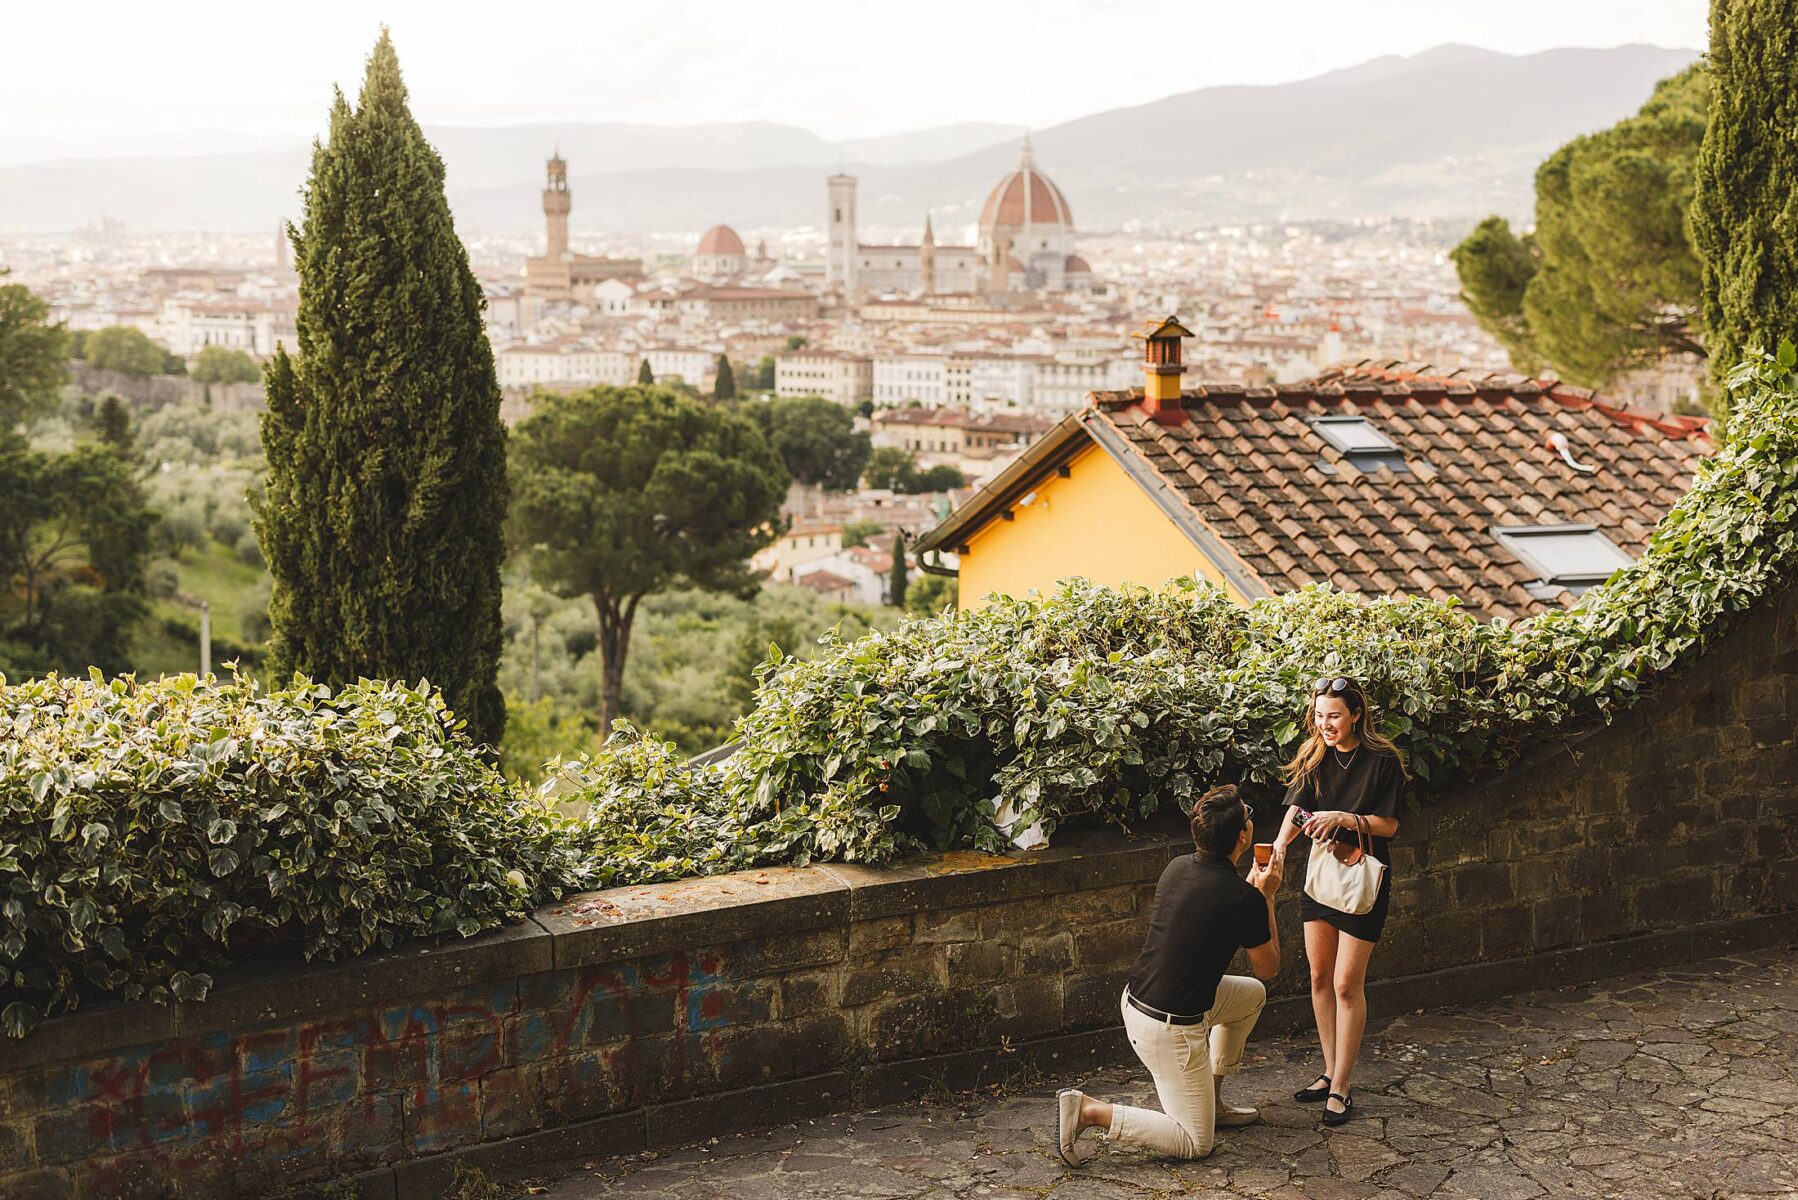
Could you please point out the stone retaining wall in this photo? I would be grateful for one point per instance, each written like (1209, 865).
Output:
(159, 391)
(650, 1016)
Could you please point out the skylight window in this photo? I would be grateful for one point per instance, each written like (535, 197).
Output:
(1353, 435)
(1565, 556)
(1365, 447)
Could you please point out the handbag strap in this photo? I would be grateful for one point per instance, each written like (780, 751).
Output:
(1363, 835)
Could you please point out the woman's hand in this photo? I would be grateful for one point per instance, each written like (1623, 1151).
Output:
(1324, 824)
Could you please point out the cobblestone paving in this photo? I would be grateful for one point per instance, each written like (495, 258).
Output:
(1679, 1083)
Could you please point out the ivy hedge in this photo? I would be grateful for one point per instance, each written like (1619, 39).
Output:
(150, 832)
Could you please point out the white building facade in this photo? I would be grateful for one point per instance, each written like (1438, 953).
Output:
(187, 327)
(846, 378)
(524, 364)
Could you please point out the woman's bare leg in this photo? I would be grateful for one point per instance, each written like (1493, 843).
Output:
(1320, 952)
(1350, 996)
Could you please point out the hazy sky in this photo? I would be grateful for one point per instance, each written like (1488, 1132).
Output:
(119, 78)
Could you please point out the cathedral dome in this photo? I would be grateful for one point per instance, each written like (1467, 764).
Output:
(722, 241)
(1024, 197)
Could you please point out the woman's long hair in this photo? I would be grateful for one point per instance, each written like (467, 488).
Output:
(1303, 767)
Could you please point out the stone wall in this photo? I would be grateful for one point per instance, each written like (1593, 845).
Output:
(159, 391)
(650, 1016)
(636, 1017)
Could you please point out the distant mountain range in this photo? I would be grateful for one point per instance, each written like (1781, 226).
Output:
(1453, 132)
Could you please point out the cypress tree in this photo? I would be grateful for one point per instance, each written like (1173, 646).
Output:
(645, 376)
(724, 387)
(1745, 215)
(112, 423)
(897, 587)
(383, 517)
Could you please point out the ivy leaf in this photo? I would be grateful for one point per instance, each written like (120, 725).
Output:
(18, 1019)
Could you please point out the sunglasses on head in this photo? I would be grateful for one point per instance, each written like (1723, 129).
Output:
(1326, 684)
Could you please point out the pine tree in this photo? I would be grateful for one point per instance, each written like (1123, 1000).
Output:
(1608, 281)
(896, 588)
(645, 376)
(724, 387)
(1744, 218)
(383, 519)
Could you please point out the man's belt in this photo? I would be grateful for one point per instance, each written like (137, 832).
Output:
(1149, 1010)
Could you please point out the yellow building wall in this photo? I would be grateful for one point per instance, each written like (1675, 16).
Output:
(1096, 523)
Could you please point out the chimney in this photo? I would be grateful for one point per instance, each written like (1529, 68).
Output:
(1162, 368)
(1329, 351)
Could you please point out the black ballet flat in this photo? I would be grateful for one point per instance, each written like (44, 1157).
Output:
(1339, 1118)
(1312, 1095)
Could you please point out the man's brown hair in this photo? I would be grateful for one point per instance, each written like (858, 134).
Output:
(1218, 820)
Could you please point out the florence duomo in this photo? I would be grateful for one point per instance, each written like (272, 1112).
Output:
(1025, 242)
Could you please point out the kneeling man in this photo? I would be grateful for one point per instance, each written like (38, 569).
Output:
(1186, 1019)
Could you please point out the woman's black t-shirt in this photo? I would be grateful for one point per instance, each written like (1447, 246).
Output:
(1203, 911)
(1364, 781)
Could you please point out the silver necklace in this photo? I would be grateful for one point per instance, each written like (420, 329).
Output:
(1336, 756)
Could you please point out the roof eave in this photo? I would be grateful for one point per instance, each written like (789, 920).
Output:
(1047, 452)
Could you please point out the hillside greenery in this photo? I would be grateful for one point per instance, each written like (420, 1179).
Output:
(694, 653)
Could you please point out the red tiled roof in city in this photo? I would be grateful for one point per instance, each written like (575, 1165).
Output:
(824, 582)
(955, 418)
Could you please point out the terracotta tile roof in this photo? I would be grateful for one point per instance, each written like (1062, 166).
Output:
(1297, 510)
(876, 561)
(825, 582)
(955, 418)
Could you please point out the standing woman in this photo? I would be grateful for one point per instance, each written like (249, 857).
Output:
(1347, 774)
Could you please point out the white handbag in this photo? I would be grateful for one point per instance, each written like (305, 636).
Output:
(1345, 876)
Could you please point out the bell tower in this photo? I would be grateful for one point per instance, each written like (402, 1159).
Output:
(556, 203)
(839, 260)
(927, 258)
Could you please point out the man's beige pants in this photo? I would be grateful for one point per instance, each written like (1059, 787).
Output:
(1184, 1059)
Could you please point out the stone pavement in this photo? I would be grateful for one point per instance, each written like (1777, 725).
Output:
(1675, 1083)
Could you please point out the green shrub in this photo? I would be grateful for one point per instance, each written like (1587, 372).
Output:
(149, 831)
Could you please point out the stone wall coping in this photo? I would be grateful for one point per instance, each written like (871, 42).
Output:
(1077, 860)
(655, 918)
(613, 925)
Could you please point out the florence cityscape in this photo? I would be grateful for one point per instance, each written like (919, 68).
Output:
(779, 601)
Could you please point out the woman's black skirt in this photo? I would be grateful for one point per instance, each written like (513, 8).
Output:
(1365, 926)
